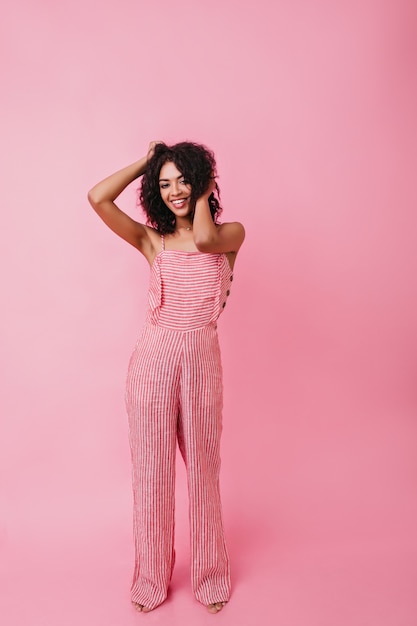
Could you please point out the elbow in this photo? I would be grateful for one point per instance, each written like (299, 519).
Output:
(93, 198)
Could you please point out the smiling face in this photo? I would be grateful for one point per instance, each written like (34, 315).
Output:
(174, 189)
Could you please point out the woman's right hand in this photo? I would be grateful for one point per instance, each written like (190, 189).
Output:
(151, 149)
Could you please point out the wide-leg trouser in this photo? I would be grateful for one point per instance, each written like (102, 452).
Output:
(174, 392)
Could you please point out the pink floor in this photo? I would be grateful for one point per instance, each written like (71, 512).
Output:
(81, 573)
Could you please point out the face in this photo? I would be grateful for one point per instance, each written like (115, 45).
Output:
(174, 189)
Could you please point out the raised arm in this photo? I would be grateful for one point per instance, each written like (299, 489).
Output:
(211, 238)
(103, 195)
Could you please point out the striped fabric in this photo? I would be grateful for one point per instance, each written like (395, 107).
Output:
(188, 290)
(174, 393)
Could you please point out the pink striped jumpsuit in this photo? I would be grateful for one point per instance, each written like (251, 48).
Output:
(174, 392)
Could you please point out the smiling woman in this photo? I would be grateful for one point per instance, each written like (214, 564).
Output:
(174, 383)
(175, 190)
(183, 170)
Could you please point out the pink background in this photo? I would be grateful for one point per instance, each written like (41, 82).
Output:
(310, 107)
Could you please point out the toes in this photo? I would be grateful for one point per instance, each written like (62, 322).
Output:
(216, 607)
(141, 608)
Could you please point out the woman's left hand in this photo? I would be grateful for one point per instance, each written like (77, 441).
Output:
(210, 189)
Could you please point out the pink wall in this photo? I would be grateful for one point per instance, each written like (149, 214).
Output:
(310, 108)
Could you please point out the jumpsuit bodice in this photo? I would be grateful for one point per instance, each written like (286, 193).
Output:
(188, 290)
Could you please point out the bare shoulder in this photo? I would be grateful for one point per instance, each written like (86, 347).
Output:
(153, 235)
(228, 225)
(154, 244)
(232, 235)
(233, 232)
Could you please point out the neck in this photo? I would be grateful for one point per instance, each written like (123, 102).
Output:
(183, 224)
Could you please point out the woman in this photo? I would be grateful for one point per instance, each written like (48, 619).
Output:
(174, 383)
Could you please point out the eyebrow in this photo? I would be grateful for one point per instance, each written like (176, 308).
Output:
(166, 180)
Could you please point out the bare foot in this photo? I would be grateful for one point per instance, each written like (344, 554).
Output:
(215, 608)
(141, 608)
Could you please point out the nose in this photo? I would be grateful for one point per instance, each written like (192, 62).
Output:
(175, 189)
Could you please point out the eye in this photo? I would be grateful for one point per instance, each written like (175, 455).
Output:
(163, 185)
(184, 182)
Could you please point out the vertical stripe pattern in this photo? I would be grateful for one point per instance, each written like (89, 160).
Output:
(174, 393)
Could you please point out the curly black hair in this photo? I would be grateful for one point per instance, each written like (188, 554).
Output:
(196, 163)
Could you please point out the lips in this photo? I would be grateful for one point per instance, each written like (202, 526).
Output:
(178, 204)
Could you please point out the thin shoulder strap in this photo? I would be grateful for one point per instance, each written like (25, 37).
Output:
(162, 242)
